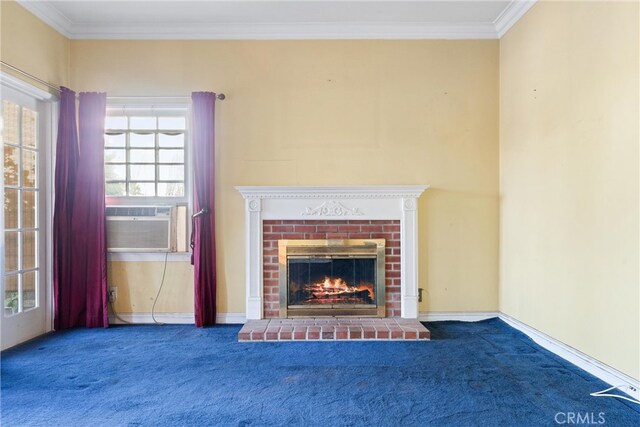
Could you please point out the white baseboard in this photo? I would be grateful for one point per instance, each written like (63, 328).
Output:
(231, 318)
(175, 318)
(598, 369)
(462, 316)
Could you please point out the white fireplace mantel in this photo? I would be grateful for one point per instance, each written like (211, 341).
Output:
(395, 202)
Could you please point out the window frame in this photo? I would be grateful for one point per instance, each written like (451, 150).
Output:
(137, 105)
(141, 107)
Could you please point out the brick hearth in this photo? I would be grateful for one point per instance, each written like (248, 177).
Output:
(274, 230)
(333, 329)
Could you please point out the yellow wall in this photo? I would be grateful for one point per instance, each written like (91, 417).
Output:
(32, 46)
(138, 285)
(569, 177)
(418, 112)
(336, 113)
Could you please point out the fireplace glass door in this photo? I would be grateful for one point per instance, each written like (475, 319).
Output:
(332, 278)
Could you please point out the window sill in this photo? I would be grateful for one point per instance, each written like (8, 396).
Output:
(149, 256)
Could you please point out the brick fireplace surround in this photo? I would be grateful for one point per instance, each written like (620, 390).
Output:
(295, 213)
(274, 230)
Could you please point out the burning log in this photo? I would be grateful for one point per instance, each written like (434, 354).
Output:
(339, 289)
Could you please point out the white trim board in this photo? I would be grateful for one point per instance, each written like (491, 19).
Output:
(149, 256)
(26, 88)
(596, 368)
(173, 318)
(461, 316)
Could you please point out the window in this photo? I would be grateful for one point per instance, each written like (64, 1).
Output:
(145, 153)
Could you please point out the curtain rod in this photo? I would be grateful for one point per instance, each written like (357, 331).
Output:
(220, 96)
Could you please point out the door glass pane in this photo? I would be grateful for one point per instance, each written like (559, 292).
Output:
(10, 251)
(11, 165)
(171, 156)
(115, 189)
(29, 249)
(142, 189)
(142, 156)
(29, 290)
(170, 189)
(10, 208)
(166, 140)
(171, 173)
(29, 168)
(142, 172)
(29, 127)
(142, 140)
(29, 209)
(11, 295)
(10, 113)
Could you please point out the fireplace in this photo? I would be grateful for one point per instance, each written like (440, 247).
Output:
(340, 277)
(362, 212)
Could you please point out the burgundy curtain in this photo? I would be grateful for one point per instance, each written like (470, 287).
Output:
(80, 252)
(203, 237)
(65, 181)
(89, 254)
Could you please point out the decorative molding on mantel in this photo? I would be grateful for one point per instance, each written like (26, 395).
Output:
(331, 208)
(394, 202)
(367, 192)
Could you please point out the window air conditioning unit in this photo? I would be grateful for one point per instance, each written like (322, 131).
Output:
(145, 228)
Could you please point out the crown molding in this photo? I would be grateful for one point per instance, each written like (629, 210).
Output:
(284, 31)
(50, 15)
(47, 12)
(510, 15)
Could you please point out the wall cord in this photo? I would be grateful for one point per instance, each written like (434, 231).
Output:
(164, 271)
(115, 313)
(603, 393)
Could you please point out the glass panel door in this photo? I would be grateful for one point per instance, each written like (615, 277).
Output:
(21, 188)
(25, 131)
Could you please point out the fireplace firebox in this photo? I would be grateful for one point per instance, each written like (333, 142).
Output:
(332, 277)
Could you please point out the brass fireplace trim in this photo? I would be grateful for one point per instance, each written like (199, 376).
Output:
(374, 248)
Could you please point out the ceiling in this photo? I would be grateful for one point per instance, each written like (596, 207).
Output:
(292, 19)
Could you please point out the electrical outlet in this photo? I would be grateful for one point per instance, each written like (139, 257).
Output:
(113, 293)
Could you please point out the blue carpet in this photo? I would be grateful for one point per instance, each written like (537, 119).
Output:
(483, 373)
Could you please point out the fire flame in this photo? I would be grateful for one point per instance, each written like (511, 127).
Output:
(337, 286)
